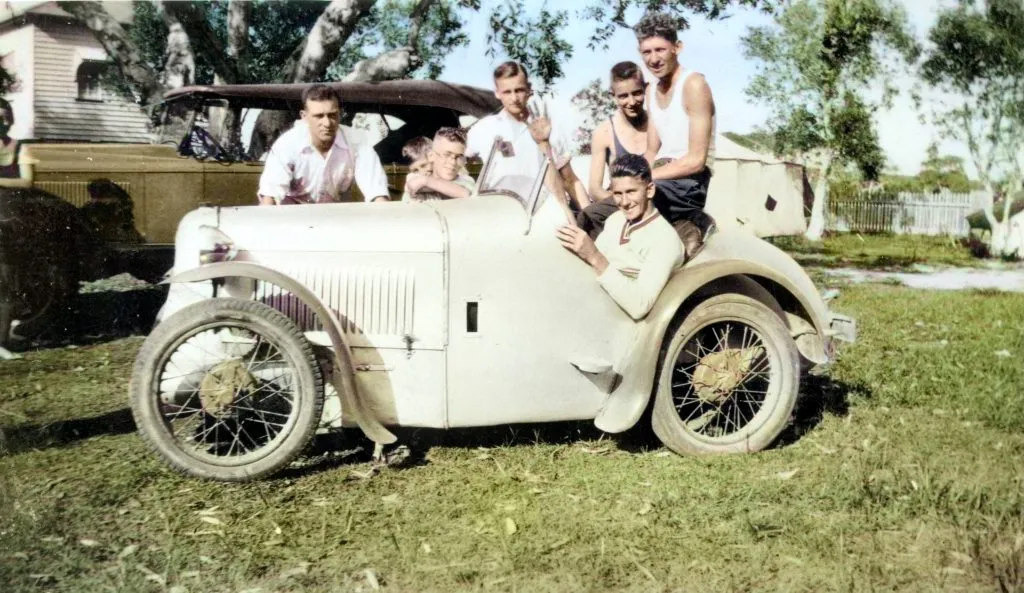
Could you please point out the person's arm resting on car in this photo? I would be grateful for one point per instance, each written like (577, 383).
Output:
(700, 108)
(636, 295)
(416, 182)
(275, 180)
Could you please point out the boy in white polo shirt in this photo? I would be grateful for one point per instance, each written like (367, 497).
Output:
(447, 178)
(637, 251)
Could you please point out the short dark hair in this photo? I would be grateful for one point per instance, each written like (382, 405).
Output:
(416, 149)
(657, 24)
(451, 134)
(320, 92)
(631, 165)
(626, 71)
(510, 69)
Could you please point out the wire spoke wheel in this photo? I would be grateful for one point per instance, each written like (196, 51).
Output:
(728, 380)
(721, 379)
(227, 389)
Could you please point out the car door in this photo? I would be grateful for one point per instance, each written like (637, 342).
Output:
(526, 316)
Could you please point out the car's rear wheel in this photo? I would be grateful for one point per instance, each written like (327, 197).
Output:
(227, 389)
(728, 379)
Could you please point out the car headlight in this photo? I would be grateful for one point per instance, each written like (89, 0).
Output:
(215, 246)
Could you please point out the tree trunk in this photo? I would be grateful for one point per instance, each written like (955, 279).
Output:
(325, 39)
(119, 47)
(225, 124)
(180, 63)
(238, 36)
(192, 21)
(816, 227)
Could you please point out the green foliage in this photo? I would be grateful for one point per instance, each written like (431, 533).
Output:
(277, 28)
(8, 80)
(758, 140)
(813, 65)
(596, 104)
(976, 55)
(533, 42)
(607, 17)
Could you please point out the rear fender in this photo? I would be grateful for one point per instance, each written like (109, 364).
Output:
(343, 375)
(639, 364)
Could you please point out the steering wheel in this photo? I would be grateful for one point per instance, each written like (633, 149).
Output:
(201, 145)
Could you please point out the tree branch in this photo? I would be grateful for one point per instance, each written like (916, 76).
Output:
(239, 12)
(208, 45)
(390, 65)
(180, 63)
(419, 12)
(398, 62)
(119, 46)
(329, 33)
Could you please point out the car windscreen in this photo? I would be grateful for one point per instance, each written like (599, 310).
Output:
(503, 174)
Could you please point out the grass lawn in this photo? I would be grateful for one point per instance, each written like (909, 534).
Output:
(904, 471)
(878, 251)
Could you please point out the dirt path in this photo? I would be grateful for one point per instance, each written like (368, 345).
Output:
(1008, 278)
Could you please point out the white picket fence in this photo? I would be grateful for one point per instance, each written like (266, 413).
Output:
(908, 213)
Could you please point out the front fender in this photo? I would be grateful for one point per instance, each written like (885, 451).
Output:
(639, 363)
(344, 371)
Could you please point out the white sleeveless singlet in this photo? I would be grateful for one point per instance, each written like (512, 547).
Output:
(673, 123)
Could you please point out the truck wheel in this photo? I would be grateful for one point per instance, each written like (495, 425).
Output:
(728, 378)
(227, 389)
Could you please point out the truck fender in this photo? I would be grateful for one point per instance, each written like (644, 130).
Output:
(638, 365)
(343, 375)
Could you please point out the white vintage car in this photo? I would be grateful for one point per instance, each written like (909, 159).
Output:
(285, 321)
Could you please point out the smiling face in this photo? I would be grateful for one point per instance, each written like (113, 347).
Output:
(447, 158)
(323, 118)
(660, 55)
(629, 97)
(513, 91)
(633, 196)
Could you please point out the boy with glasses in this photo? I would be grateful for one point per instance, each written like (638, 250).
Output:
(448, 179)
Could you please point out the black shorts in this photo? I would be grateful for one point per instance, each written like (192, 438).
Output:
(675, 199)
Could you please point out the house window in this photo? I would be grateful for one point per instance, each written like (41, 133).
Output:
(89, 77)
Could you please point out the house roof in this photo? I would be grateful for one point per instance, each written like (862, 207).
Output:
(10, 10)
(412, 93)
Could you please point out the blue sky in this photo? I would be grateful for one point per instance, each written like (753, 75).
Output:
(713, 48)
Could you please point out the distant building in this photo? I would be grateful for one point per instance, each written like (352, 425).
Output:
(59, 64)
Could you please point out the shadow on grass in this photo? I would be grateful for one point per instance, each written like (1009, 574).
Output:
(26, 437)
(820, 395)
(93, 318)
(351, 447)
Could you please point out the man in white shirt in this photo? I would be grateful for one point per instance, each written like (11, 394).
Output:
(315, 163)
(636, 253)
(526, 143)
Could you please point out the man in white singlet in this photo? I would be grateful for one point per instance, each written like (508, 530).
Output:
(680, 143)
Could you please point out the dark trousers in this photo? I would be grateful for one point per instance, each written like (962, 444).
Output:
(675, 199)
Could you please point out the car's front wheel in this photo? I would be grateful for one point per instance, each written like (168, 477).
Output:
(227, 389)
(728, 379)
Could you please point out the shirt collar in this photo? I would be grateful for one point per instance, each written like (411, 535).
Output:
(339, 138)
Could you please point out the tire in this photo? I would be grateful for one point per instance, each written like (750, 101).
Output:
(201, 365)
(736, 396)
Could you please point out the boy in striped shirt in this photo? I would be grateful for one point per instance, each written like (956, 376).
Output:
(638, 250)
